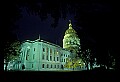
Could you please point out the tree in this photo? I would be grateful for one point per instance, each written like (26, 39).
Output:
(11, 52)
(74, 63)
(100, 28)
(88, 58)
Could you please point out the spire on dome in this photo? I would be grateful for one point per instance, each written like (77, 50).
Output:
(70, 25)
(39, 37)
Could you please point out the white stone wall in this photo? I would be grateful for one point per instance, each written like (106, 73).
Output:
(35, 59)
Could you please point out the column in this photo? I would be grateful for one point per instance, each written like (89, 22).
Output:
(49, 54)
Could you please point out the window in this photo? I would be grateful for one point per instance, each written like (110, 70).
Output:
(23, 66)
(54, 51)
(43, 49)
(50, 58)
(55, 66)
(43, 65)
(54, 58)
(34, 49)
(47, 57)
(50, 51)
(62, 66)
(64, 60)
(57, 59)
(51, 65)
(47, 65)
(27, 54)
(60, 54)
(58, 66)
(47, 50)
(57, 52)
(33, 56)
(32, 65)
(43, 56)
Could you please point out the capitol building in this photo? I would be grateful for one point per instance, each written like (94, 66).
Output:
(40, 55)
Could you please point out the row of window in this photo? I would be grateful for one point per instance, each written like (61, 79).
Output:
(51, 51)
(71, 42)
(51, 66)
(66, 55)
(55, 52)
(43, 57)
(62, 60)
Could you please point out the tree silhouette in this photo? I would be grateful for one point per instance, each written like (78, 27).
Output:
(11, 52)
(96, 20)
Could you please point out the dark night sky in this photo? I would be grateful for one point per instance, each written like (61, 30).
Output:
(30, 26)
(98, 29)
(95, 21)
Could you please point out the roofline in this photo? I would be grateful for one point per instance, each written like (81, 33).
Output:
(38, 40)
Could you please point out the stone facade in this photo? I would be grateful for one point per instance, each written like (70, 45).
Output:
(41, 55)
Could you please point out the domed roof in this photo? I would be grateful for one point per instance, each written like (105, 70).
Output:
(70, 29)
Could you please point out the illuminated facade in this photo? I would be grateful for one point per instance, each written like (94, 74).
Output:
(71, 40)
(40, 55)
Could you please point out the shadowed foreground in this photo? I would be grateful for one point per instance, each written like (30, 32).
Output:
(52, 75)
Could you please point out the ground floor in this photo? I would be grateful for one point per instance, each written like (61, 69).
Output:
(22, 67)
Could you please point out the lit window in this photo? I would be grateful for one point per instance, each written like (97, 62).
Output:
(57, 52)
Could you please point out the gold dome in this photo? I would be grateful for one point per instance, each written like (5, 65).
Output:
(70, 29)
